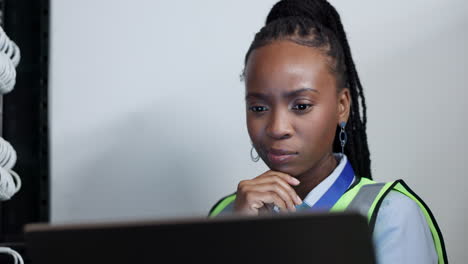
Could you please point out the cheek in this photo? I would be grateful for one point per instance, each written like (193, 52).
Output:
(254, 128)
(320, 128)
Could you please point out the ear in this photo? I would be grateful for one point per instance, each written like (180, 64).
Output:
(344, 105)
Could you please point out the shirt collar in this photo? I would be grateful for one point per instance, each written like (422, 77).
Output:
(315, 194)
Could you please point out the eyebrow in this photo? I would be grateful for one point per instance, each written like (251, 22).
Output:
(285, 94)
(296, 92)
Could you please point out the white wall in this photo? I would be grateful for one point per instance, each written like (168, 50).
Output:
(147, 110)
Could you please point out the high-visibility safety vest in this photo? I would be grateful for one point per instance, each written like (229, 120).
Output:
(365, 197)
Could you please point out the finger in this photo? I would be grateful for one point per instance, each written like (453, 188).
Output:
(276, 199)
(288, 178)
(265, 210)
(268, 197)
(278, 180)
(277, 188)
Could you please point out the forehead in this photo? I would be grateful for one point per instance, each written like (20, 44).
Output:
(285, 65)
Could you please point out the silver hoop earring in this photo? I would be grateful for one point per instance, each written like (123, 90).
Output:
(343, 136)
(254, 159)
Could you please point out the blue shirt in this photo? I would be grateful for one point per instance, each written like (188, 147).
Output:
(401, 233)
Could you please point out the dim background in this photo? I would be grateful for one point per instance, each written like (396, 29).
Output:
(148, 116)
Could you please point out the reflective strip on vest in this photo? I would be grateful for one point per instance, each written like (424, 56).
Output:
(364, 199)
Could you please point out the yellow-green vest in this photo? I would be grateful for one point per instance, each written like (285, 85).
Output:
(366, 197)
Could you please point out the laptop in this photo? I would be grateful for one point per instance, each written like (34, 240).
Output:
(287, 238)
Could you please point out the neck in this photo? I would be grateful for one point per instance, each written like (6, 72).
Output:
(314, 176)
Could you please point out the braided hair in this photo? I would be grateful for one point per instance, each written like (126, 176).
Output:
(316, 23)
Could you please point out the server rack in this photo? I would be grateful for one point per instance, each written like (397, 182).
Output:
(24, 119)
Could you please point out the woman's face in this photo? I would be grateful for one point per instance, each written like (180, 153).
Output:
(292, 105)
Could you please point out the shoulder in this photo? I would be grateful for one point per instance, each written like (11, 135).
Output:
(401, 232)
(400, 212)
(400, 205)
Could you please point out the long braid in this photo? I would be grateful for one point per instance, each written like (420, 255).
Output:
(316, 23)
(354, 82)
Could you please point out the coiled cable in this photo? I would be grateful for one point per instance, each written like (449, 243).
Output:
(10, 56)
(10, 182)
(16, 256)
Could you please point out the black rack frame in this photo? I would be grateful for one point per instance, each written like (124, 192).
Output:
(24, 117)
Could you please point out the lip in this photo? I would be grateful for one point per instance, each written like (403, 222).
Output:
(279, 156)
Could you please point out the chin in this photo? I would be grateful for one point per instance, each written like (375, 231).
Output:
(284, 168)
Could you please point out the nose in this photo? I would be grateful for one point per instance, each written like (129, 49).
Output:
(279, 125)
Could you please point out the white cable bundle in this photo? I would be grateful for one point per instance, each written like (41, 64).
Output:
(10, 182)
(9, 59)
(16, 256)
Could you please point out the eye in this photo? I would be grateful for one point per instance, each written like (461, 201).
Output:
(257, 108)
(302, 107)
